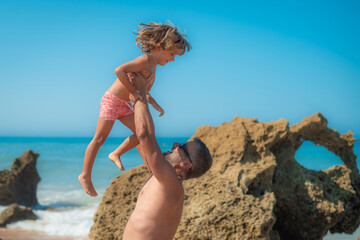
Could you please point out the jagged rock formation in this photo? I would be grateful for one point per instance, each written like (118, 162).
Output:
(319, 200)
(15, 213)
(19, 184)
(255, 188)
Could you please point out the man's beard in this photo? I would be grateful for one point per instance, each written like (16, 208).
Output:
(166, 153)
(168, 156)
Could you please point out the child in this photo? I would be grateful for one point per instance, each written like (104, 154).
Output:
(160, 43)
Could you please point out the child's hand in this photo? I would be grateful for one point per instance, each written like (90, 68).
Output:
(162, 112)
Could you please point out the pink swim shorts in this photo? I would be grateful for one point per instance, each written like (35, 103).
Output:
(113, 107)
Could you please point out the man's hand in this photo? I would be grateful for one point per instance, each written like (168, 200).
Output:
(136, 78)
(139, 82)
(134, 97)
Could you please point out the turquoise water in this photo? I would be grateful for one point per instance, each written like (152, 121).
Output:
(61, 161)
(319, 158)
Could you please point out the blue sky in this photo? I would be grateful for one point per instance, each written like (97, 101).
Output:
(262, 59)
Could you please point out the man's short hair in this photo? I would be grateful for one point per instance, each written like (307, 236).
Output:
(201, 161)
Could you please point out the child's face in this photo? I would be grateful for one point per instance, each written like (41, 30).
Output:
(164, 56)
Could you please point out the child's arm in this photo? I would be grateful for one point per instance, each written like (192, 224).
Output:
(155, 105)
(151, 100)
(137, 65)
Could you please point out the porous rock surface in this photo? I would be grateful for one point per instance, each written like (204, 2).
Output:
(15, 213)
(19, 184)
(255, 188)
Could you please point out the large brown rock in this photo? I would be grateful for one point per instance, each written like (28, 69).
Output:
(15, 213)
(255, 188)
(20, 183)
(310, 203)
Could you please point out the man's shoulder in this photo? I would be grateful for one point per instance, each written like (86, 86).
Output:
(172, 183)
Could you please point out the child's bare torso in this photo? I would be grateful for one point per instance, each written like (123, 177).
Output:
(119, 90)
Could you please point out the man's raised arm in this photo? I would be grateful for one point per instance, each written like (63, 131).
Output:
(145, 131)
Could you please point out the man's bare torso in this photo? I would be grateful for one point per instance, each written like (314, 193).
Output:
(157, 212)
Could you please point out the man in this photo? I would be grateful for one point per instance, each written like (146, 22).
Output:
(159, 206)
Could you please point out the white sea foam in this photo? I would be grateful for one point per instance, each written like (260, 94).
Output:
(75, 221)
(70, 213)
(51, 195)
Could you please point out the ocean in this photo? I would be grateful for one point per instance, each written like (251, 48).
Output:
(61, 160)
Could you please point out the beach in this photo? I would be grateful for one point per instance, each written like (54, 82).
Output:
(20, 234)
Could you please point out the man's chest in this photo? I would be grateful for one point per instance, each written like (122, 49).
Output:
(159, 196)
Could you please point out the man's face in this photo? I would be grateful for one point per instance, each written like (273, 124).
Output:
(184, 151)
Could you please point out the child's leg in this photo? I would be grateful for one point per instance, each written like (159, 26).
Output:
(128, 144)
(103, 129)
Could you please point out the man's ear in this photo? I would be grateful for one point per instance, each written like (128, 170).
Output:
(186, 165)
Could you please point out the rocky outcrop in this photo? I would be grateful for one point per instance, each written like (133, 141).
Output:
(19, 184)
(255, 189)
(319, 200)
(15, 213)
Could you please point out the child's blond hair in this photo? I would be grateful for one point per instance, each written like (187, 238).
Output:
(166, 36)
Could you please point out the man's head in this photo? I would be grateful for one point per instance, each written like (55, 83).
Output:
(191, 159)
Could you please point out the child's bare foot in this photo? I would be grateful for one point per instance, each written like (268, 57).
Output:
(116, 159)
(87, 185)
